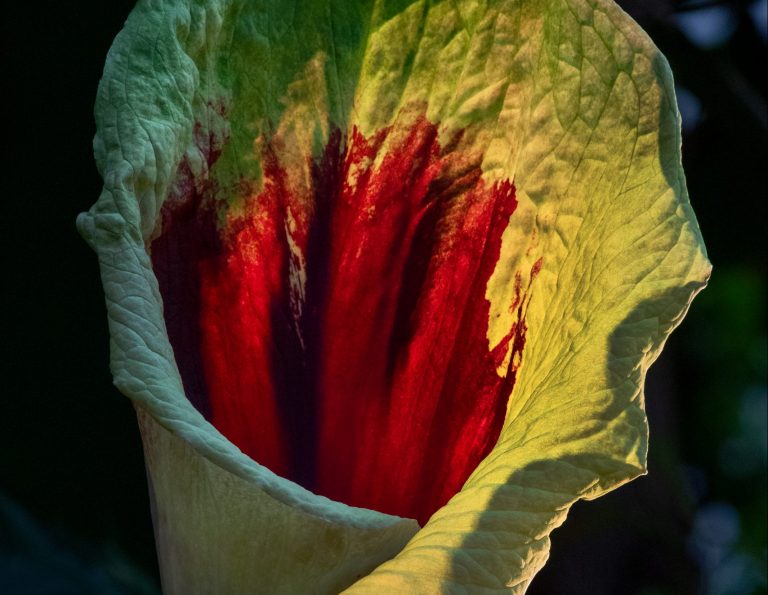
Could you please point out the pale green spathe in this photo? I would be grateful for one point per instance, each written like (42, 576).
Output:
(570, 100)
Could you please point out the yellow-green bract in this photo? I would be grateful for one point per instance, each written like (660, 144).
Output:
(567, 98)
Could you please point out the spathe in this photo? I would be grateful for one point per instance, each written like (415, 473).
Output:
(567, 99)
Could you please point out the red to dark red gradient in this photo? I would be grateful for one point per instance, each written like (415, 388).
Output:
(337, 332)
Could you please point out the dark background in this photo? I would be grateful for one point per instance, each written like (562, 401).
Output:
(74, 515)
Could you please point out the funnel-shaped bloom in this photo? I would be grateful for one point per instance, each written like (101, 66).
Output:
(377, 265)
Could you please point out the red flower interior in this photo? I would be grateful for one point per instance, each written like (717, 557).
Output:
(337, 332)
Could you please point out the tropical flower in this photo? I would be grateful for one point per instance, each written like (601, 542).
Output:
(384, 280)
